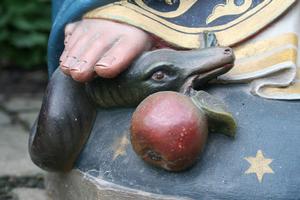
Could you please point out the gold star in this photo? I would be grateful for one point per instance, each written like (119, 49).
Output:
(120, 146)
(259, 165)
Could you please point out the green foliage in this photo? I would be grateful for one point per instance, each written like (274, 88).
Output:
(24, 29)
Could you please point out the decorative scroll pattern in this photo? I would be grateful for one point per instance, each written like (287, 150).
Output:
(160, 23)
(229, 8)
(183, 7)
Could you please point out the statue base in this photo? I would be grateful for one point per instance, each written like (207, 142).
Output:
(78, 185)
(262, 162)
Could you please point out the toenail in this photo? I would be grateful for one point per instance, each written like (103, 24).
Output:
(106, 61)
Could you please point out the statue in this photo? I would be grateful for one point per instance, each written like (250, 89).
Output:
(56, 123)
(110, 64)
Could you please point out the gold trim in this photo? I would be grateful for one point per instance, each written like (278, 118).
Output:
(186, 37)
(264, 54)
(260, 57)
(162, 22)
(123, 14)
(229, 8)
(260, 47)
(267, 62)
(252, 25)
(293, 89)
(182, 8)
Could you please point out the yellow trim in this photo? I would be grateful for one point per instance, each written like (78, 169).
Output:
(293, 89)
(256, 48)
(269, 61)
(257, 56)
(123, 14)
(186, 37)
(140, 11)
(229, 8)
(253, 24)
(182, 8)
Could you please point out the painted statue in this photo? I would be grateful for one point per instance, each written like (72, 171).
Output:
(176, 24)
(103, 58)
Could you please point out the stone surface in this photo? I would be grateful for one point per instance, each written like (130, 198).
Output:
(4, 119)
(29, 194)
(14, 157)
(14, 82)
(23, 104)
(271, 127)
(21, 95)
(80, 186)
(29, 118)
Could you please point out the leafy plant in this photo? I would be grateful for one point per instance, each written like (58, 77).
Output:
(24, 29)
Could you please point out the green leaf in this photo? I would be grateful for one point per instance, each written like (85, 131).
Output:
(220, 120)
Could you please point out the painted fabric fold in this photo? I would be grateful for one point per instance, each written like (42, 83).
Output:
(263, 33)
(269, 66)
(266, 54)
(269, 61)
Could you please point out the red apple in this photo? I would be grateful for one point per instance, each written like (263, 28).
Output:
(168, 130)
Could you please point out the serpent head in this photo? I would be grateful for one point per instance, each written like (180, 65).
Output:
(166, 70)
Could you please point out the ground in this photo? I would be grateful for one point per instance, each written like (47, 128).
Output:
(21, 95)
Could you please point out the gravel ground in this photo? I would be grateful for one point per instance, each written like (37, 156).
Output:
(21, 94)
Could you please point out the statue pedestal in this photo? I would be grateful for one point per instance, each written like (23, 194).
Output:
(77, 185)
(262, 162)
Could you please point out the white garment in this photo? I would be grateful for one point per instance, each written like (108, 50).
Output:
(269, 59)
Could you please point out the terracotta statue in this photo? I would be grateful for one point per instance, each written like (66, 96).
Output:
(105, 57)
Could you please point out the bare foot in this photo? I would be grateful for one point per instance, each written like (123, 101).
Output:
(100, 47)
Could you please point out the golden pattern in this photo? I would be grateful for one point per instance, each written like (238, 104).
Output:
(187, 37)
(254, 60)
(229, 8)
(259, 165)
(183, 7)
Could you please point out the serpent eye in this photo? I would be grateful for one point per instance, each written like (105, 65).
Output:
(159, 75)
